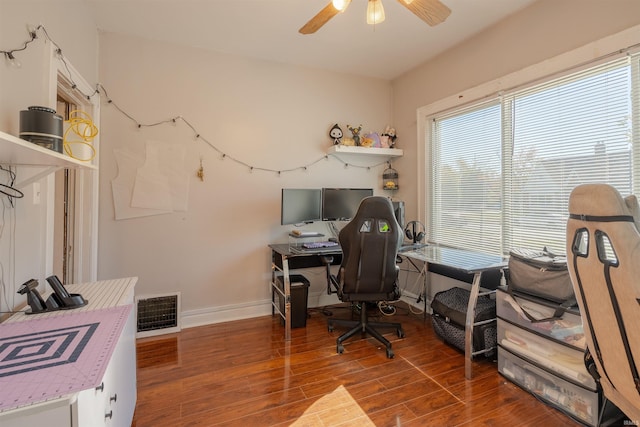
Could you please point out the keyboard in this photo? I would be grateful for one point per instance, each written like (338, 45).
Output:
(320, 245)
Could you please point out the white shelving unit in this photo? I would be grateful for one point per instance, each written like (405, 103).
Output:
(369, 151)
(18, 152)
(15, 151)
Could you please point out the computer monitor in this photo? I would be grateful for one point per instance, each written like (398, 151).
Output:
(300, 205)
(398, 210)
(341, 204)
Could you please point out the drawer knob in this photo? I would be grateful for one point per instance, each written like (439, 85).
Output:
(114, 398)
(108, 415)
(100, 387)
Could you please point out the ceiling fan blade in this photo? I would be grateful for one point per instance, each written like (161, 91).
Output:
(319, 20)
(433, 12)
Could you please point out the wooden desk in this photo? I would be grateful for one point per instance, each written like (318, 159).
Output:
(283, 260)
(465, 262)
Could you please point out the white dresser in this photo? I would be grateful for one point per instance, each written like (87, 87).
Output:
(111, 398)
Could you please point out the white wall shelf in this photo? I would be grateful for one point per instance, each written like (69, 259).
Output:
(18, 152)
(366, 151)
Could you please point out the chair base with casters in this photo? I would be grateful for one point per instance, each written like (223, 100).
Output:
(364, 326)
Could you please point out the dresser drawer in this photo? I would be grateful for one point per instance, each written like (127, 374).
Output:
(574, 400)
(559, 359)
(567, 329)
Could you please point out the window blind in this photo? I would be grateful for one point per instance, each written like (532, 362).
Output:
(503, 171)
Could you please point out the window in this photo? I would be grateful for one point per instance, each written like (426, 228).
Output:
(502, 170)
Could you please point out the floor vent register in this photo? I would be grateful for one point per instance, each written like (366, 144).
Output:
(158, 314)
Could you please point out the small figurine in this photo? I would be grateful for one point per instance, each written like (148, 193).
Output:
(371, 139)
(348, 141)
(336, 134)
(388, 139)
(356, 133)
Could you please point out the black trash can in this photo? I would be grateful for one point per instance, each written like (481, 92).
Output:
(299, 295)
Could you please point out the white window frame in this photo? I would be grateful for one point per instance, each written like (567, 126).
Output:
(619, 45)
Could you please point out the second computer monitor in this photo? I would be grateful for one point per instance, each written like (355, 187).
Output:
(398, 210)
(300, 205)
(341, 204)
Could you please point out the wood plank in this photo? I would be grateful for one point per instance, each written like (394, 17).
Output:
(244, 373)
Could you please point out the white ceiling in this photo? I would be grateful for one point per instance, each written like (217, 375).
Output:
(268, 29)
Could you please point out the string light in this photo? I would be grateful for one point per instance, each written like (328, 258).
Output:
(100, 89)
(12, 60)
(9, 54)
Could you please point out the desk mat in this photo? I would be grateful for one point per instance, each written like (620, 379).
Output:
(47, 358)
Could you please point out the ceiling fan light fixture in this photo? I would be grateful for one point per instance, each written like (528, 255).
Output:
(341, 5)
(375, 12)
(433, 12)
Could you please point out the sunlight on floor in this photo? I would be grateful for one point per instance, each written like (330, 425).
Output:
(333, 409)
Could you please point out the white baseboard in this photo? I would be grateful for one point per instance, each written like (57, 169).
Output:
(212, 315)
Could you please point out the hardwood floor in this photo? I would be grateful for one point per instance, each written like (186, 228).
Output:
(243, 373)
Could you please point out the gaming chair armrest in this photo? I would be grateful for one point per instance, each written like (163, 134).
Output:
(332, 281)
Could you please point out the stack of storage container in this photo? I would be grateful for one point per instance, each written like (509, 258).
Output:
(541, 346)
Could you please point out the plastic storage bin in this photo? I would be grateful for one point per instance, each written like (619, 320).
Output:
(562, 360)
(574, 400)
(299, 295)
(568, 329)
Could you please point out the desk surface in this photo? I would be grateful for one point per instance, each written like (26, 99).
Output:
(284, 249)
(464, 260)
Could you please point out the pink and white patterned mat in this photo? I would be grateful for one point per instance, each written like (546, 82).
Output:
(46, 358)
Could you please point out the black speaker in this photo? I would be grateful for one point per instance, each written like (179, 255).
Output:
(415, 231)
(42, 126)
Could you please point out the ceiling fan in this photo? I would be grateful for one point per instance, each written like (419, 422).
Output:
(432, 12)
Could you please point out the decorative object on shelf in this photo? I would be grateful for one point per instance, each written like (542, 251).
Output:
(42, 126)
(356, 134)
(390, 178)
(371, 139)
(81, 124)
(388, 139)
(336, 134)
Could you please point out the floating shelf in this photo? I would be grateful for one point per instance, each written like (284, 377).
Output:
(18, 152)
(368, 151)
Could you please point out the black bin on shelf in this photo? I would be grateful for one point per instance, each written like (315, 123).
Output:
(299, 295)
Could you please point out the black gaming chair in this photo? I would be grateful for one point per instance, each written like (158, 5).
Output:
(368, 273)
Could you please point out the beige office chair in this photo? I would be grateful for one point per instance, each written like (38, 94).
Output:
(368, 272)
(603, 249)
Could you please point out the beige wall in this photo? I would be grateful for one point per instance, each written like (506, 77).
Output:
(264, 114)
